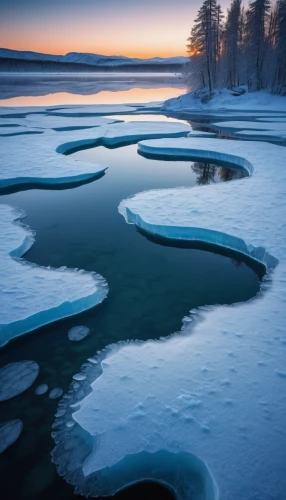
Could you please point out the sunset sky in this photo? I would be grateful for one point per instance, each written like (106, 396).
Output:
(133, 28)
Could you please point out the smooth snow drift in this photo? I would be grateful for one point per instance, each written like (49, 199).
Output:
(9, 433)
(16, 378)
(214, 391)
(27, 293)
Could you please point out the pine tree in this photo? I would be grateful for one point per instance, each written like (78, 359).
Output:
(256, 41)
(204, 43)
(279, 85)
(233, 34)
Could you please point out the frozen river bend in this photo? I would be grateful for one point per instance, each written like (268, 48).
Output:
(203, 410)
(216, 391)
(27, 163)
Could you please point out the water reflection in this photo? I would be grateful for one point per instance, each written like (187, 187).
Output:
(119, 88)
(208, 173)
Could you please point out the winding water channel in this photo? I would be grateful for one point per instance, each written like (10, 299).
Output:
(152, 287)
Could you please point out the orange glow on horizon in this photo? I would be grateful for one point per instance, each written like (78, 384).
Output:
(67, 47)
(131, 96)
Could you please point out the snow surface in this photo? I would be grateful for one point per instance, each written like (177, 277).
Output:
(216, 390)
(254, 130)
(27, 293)
(41, 164)
(224, 99)
(9, 433)
(16, 378)
(78, 333)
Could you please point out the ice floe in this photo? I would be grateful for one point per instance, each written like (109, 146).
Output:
(42, 165)
(254, 130)
(41, 389)
(215, 392)
(62, 123)
(27, 293)
(9, 433)
(78, 333)
(56, 393)
(16, 378)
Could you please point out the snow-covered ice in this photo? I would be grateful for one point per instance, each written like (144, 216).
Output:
(40, 162)
(16, 378)
(41, 389)
(9, 433)
(77, 333)
(215, 391)
(27, 295)
(63, 123)
(254, 130)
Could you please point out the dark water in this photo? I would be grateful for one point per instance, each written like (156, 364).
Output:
(152, 287)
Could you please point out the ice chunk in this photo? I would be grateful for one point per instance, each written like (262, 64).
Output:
(26, 295)
(55, 393)
(9, 433)
(16, 378)
(79, 376)
(41, 389)
(78, 333)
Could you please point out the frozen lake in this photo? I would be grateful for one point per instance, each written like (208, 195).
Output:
(97, 88)
(152, 286)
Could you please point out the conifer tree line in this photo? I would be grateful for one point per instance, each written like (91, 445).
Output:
(245, 47)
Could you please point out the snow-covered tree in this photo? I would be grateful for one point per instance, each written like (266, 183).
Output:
(257, 16)
(279, 85)
(249, 48)
(204, 44)
(233, 44)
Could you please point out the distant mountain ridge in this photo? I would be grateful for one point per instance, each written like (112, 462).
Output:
(12, 59)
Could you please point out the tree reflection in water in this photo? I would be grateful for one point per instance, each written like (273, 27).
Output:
(208, 173)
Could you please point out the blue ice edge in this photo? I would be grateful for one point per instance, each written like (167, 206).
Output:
(195, 234)
(183, 473)
(49, 181)
(186, 475)
(9, 331)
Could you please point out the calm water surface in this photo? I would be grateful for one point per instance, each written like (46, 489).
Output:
(152, 287)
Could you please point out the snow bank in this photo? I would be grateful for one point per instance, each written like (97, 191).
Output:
(16, 378)
(216, 390)
(27, 295)
(262, 100)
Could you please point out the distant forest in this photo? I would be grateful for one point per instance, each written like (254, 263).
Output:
(245, 47)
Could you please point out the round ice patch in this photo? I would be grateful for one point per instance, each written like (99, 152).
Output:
(15, 378)
(9, 433)
(56, 393)
(78, 333)
(41, 389)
